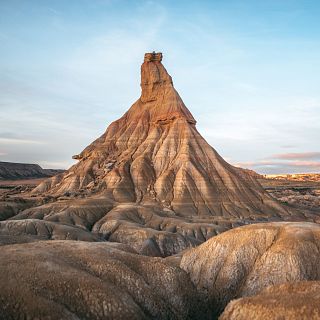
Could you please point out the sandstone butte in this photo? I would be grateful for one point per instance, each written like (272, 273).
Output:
(151, 181)
(154, 155)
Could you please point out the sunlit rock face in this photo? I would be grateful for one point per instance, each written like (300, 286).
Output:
(243, 261)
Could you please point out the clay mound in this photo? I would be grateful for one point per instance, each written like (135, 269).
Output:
(11, 207)
(294, 301)
(154, 155)
(33, 229)
(243, 261)
(83, 213)
(148, 230)
(81, 280)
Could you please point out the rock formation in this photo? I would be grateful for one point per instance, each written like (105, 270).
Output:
(34, 229)
(83, 280)
(152, 181)
(294, 301)
(243, 261)
(154, 155)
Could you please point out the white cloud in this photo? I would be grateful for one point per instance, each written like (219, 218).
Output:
(11, 141)
(56, 164)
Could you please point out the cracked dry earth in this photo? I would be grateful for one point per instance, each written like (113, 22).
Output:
(139, 227)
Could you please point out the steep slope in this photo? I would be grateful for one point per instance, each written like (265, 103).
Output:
(154, 155)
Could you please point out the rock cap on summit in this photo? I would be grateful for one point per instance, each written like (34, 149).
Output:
(153, 56)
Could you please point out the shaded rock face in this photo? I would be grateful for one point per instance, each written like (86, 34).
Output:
(34, 229)
(13, 207)
(82, 280)
(294, 301)
(243, 261)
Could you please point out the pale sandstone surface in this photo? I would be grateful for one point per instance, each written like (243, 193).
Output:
(82, 280)
(293, 301)
(243, 261)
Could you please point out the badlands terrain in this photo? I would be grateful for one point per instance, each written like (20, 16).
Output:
(152, 223)
(301, 190)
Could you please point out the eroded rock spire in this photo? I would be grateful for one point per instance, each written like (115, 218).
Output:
(154, 77)
(154, 155)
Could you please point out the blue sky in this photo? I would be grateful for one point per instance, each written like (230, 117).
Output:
(249, 71)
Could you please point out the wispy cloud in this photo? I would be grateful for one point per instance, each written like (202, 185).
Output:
(264, 166)
(19, 141)
(305, 164)
(288, 146)
(297, 156)
(54, 11)
(252, 86)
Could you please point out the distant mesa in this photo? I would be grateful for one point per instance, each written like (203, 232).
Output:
(295, 177)
(15, 171)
